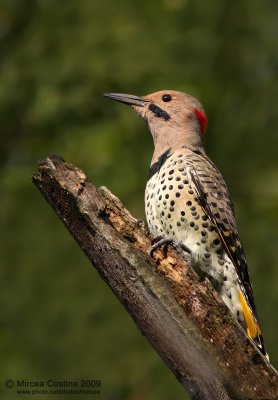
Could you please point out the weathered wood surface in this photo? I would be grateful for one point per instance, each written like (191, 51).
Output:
(182, 317)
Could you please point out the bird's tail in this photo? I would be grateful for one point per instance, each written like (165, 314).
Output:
(253, 328)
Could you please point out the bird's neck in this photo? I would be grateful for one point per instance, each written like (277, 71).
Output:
(170, 147)
(165, 152)
(173, 138)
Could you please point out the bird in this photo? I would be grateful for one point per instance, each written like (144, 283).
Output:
(187, 202)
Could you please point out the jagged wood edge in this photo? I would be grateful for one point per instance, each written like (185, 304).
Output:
(183, 318)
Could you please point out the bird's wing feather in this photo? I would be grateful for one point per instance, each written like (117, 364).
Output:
(213, 196)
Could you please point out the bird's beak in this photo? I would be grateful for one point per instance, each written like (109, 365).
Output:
(127, 99)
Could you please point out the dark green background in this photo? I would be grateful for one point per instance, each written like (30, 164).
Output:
(58, 319)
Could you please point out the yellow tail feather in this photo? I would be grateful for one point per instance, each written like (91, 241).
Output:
(253, 329)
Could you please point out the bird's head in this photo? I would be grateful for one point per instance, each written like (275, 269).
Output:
(175, 119)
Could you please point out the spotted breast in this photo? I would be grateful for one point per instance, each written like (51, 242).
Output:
(175, 209)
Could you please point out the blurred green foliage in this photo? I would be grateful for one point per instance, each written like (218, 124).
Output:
(58, 319)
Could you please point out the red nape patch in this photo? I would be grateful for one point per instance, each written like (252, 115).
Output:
(203, 121)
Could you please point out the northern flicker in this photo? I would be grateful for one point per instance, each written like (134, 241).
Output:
(187, 200)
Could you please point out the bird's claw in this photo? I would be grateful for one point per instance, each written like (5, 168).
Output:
(159, 241)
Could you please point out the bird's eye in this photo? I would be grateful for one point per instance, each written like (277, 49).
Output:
(166, 97)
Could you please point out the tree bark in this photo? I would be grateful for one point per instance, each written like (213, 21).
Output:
(181, 315)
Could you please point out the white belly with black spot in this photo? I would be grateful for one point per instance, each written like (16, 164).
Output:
(173, 212)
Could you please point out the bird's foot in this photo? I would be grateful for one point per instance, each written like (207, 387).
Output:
(181, 248)
(140, 223)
